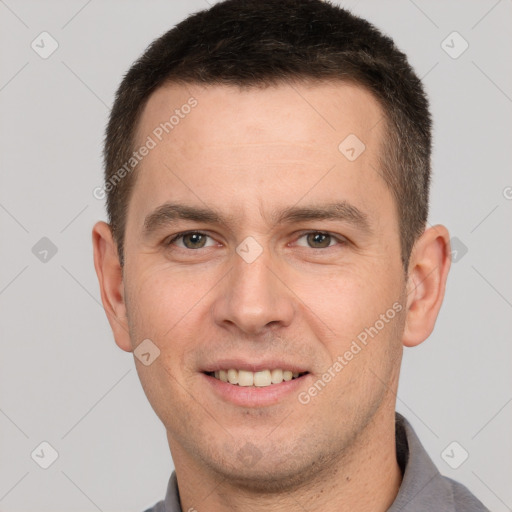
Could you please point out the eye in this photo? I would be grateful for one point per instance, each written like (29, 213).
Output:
(191, 240)
(319, 240)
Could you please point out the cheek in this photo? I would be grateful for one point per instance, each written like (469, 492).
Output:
(164, 301)
(349, 299)
(357, 318)
(165, 306)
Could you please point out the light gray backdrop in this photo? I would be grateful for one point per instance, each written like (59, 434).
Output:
(63, 381)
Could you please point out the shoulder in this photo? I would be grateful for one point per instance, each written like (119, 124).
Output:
(463, 499)
(423, 486)
(157, 507)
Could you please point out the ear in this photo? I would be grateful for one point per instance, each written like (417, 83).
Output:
(428, 271)
(110, 277)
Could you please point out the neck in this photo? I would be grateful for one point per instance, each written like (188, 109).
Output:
(366, 478)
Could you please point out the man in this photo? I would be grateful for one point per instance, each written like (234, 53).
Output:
(267, 258)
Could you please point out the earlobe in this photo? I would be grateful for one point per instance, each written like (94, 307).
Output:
(110, 277)
(428, 272)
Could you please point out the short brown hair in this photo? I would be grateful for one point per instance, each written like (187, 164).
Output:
(269, 42)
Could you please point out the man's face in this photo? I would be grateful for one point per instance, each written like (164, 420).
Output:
(267, 280)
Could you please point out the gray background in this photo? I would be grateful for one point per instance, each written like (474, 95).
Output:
(62, 378)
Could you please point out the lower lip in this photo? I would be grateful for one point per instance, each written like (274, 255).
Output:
(252, 396)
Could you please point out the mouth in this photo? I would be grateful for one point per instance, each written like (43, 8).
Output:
(259, 379)
(255, 384)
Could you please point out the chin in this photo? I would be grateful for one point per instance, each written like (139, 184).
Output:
(256, 472)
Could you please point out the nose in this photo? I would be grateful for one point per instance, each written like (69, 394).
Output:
(254, 297)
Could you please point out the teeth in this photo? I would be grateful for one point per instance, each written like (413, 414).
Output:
(233, 376)
(276, 376)
(262, 379)
(245, 378)
(259, 379)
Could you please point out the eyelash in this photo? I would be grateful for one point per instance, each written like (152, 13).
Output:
(341, 240)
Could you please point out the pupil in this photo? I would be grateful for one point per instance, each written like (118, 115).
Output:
(319, 240)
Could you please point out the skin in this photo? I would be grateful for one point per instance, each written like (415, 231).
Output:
(247, 154)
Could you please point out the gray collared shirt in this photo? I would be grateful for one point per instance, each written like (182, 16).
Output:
(423, 488)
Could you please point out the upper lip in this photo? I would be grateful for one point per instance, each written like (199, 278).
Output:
(266, 364)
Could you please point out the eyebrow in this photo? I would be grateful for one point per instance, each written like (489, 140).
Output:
(341, 211)
(170, 213)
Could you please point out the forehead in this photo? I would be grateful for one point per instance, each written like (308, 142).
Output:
(232, 147)
(224, 113)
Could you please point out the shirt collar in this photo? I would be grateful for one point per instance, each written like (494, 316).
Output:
(421, 479)
(172, 498)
